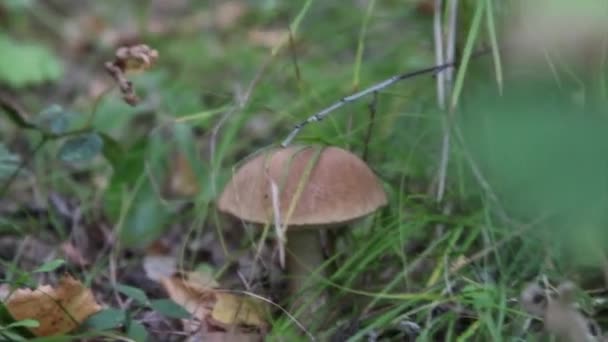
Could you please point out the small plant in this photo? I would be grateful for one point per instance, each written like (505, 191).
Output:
(81, 144)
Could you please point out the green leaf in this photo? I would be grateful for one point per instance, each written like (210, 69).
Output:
(105, 320)
(54, 119)
(112, 150)
(169, 308)
(134, 293)
(145, 221)
(24, 64)
(6, 319)
(63, 338)
(9, 162)
(132, 166)
(481, 297)
(50, 266)
(137, 332)
(81, 148)
(7, 335)
(26, 323)
(126, 172)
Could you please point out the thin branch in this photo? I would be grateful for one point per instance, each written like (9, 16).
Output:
(375, 88)
(23, 164)
(17, 114)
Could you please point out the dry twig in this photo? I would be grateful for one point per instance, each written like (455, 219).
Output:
(130, 59)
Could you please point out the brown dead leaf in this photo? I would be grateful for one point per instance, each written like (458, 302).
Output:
(267, 38)
(199, 294)
(197, 282)
(198, 303)
(59, 309)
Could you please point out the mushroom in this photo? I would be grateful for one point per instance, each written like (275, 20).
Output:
(318, 188)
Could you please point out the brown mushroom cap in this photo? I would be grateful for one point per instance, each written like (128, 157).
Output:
(338, 188)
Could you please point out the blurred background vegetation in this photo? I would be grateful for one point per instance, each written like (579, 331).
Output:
(526, 181)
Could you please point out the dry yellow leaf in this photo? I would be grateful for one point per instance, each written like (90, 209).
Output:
(199, 295)
(194, 298)
(59, 309)
(230, 310)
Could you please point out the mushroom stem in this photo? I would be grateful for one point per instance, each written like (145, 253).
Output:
(305, 256)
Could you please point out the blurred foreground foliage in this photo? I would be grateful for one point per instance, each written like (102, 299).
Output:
(543, 147)
(23, 64)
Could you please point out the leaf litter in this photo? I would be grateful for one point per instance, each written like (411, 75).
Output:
(58, 310)
(214, 309)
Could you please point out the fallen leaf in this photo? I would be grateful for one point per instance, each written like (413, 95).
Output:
(231, 309)
(59, 309)
(197, 282)
(267, 38)
(198, 303)
(199, 294)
